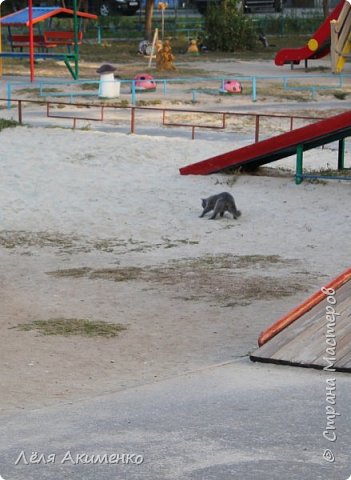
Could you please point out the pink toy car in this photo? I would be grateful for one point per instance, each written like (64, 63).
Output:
(231, 86)
(144, 82)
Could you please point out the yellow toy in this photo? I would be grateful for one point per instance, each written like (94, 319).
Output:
(193, 48)
(165, 58)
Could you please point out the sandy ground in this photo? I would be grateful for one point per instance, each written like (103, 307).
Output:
(101, 226)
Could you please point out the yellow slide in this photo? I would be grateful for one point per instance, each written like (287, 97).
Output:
(341, 38)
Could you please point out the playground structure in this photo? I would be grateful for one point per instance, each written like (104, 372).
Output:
(320, 44)
(30, 16)
(341, 38)
(275, 148)
(315, 334)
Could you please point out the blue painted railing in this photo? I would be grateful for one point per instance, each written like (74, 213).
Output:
(336, 81)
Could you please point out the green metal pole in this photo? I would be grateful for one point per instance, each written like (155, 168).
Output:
(299, 164)
(75, 36)
(70, 69)
(341, 154)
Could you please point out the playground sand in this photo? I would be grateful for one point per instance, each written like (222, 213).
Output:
(103, 227)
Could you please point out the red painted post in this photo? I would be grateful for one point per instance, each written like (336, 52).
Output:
(31, 40)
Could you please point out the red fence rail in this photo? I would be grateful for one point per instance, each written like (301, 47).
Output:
(165, 115)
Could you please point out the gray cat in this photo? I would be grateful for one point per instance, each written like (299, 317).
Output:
(220, 203)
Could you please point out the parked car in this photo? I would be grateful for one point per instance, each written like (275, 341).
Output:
(249, 6)
(113, 7)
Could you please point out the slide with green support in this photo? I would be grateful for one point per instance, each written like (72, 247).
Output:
(275, 148)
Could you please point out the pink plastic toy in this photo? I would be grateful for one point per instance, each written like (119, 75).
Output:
(144, 82)
(231, 86)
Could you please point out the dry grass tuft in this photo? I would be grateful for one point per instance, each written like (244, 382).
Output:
(72, 326)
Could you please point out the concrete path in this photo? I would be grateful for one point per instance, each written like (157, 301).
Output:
(235, 421)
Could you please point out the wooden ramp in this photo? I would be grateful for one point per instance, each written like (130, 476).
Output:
(316, 334)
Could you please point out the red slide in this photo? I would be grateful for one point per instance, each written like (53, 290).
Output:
(275, 148)
(318, 46)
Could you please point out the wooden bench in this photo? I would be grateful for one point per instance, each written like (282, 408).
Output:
(45, 41)
(54, 39)
(22, 41)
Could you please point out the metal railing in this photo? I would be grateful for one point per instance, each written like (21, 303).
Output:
(184, 87)
(165, 116)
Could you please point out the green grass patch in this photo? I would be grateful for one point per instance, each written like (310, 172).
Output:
(148, 103)
(12, 239)
(331, 173)
(72, 326)
(216, 278)
(36, 91)
(340, 95)
(89, 86)
(7, 123)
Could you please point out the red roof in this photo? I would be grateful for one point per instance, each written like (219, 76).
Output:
(21, 17)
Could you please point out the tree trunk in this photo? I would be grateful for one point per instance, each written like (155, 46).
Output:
(83, 5)
(325, 8)
(149, 9)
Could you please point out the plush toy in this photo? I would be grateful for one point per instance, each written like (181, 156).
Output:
(165, 58)
(193, 48)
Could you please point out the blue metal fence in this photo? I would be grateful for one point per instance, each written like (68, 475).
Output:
(194, 86)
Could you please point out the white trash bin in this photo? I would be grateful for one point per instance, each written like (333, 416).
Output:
(109, 87)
